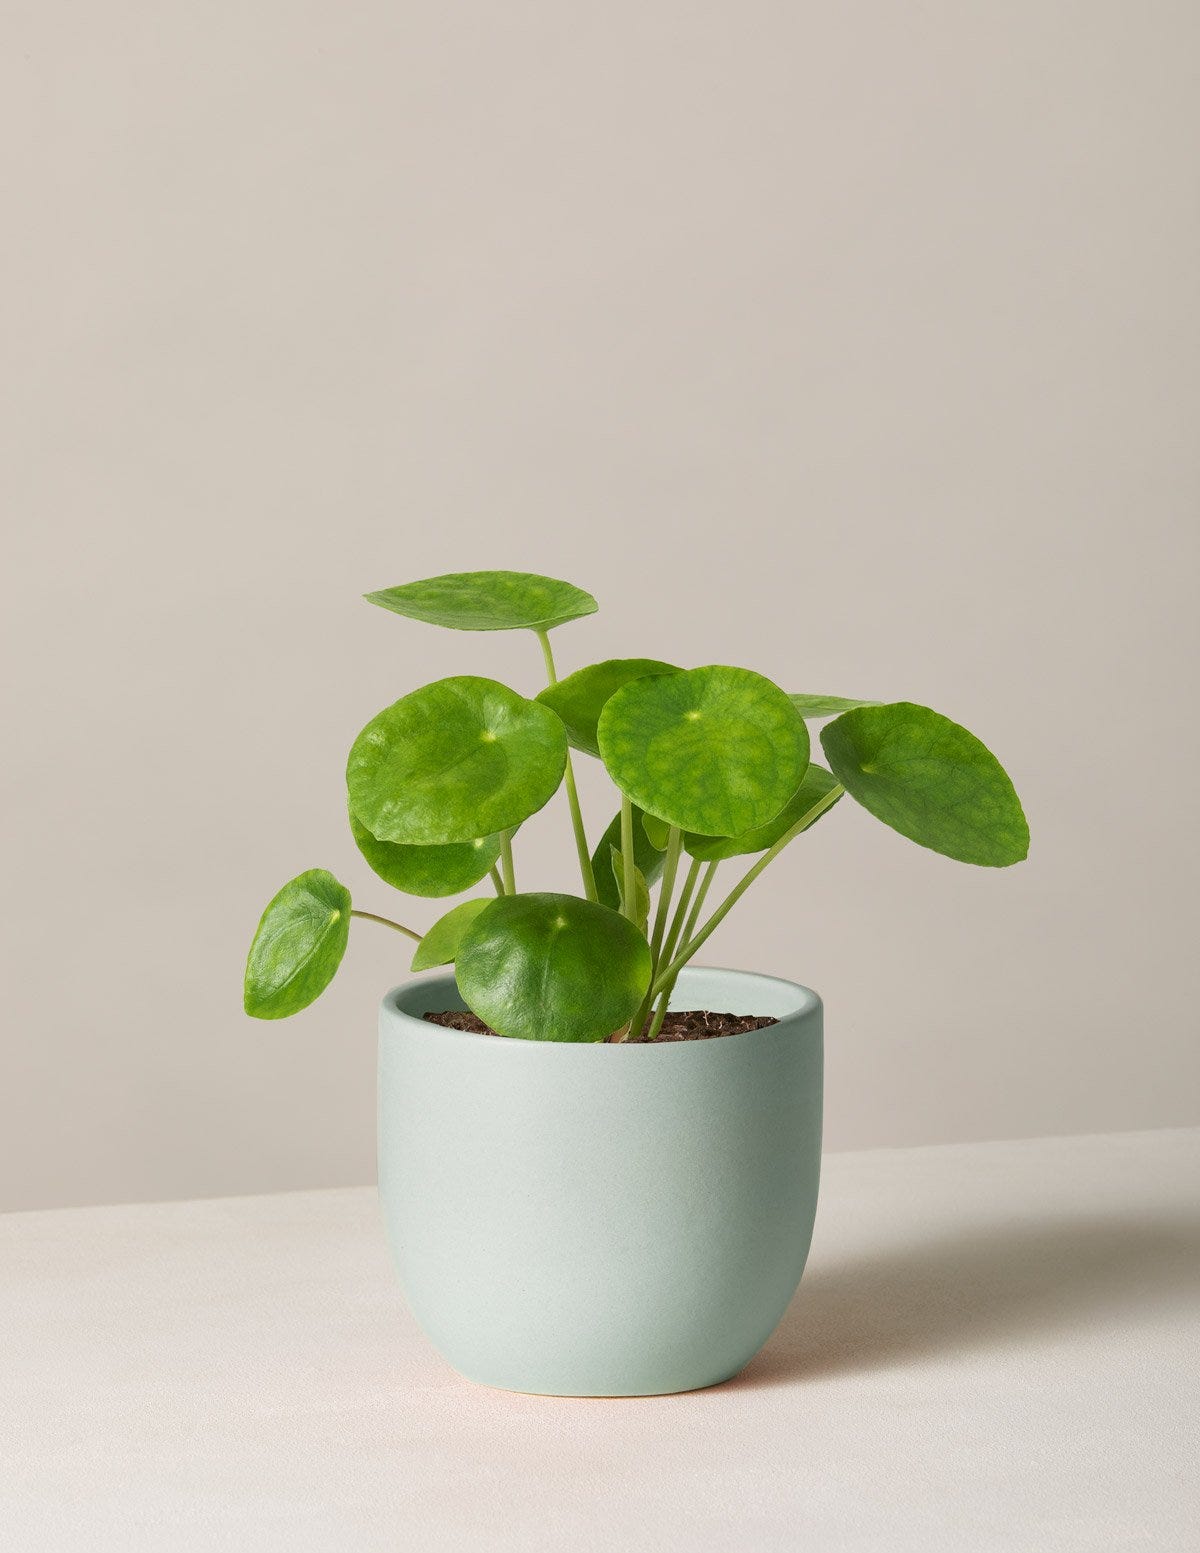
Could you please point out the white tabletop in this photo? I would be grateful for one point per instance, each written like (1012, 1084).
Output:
(994, 1347)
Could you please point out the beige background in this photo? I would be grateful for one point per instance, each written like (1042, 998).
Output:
(854, 343)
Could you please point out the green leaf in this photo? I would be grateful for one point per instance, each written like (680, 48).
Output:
(816, 785)
(658, 832)
(645, 856)
(298, 946)
(641, 890)
(488, 601)
(440, 944)
(717, 750)
(461, 758)
(579, 699)
(816, 707)
(429, 871)
(553, 968)
(929, 779)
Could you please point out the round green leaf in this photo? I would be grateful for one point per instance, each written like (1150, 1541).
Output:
(579, 699)
(718, 750)
(817, 784)
(298, 946)
(429, 871)
(647, 857)
(553, 968)
(929, 779)
(816, 707)
(461, 758)
(440, 944)
(488, 601)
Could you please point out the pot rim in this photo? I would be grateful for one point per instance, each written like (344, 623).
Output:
(438, 989)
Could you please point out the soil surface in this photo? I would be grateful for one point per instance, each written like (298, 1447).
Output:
(693, 1024)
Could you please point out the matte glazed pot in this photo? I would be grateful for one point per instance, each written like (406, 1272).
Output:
(601, 1220)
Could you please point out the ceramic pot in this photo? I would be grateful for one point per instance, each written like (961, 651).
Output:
(595, 1219)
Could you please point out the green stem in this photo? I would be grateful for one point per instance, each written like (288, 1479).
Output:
(670, 869)
(506, 862)
(693, 915)
(497, 881)
(667, 889)
(629, 892)
(370, 916)
(680, 917)
(581, 841)
(660, 1013)
(577, 825)
(635, 1026)
(691, 945)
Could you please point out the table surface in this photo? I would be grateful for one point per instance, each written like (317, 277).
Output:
(994, 1347)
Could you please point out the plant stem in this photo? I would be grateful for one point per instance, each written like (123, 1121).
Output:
(497, 881)
(679, 930)
(697, 904)
(581, 843)
(506, 862)
(666, 890)
(629, 890)
(681, 911)
(660, 1013)
(690, 946)
(670, 869)
(370, 916)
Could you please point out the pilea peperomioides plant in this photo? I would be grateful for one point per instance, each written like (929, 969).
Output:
(710, 764)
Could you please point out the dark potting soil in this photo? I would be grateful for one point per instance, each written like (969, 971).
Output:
(693, 1024)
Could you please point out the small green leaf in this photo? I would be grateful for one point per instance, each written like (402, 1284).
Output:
(440, 944)
(579, 699)
(816, 707)
(816, 785)
(488, 601)
(929, 779)
(460, 758)
(716, 750)
(645, 856)
(552, 968)
(298, 946)
(428, 871)
(641, 890)
(658, 832)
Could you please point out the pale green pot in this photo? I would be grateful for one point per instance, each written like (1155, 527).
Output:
(601, 1220)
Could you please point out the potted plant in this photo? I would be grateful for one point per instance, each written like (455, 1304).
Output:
(599, 1163)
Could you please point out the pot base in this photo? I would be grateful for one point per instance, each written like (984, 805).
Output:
(600, 1396)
